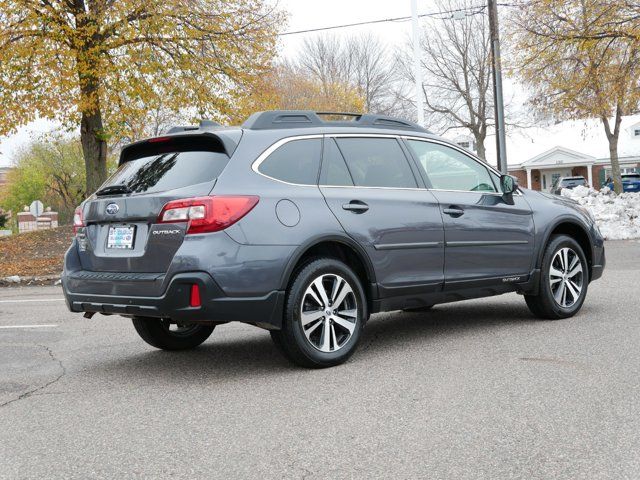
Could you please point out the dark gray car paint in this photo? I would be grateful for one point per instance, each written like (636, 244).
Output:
(413, 253)
(404, 253)
(490, 238)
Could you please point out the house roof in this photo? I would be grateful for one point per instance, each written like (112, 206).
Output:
(585, 137)
(558, 155)
(631, 129)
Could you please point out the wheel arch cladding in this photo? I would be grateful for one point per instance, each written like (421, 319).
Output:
(578, 233)
(339, 248)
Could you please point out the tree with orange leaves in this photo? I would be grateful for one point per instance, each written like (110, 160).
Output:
(100, 63)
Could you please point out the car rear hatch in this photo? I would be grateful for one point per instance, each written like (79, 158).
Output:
(118, 228)
(571, 183)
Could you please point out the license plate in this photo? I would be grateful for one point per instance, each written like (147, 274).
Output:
(121, 237)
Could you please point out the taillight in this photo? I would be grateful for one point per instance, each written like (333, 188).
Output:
(208, 214)
(78, 220)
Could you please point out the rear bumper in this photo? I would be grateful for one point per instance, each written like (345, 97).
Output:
(265, 311)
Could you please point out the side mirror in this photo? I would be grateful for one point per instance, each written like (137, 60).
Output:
(508, 184)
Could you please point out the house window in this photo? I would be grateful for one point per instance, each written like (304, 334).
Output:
(636, 132)
(623, 170)
(467, 145)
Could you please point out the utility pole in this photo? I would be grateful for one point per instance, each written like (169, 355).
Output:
(416, 61)
(498, 100)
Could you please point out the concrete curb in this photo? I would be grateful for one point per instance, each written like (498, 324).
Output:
(17, 281)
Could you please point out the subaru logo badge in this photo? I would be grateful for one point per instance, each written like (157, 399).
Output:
(112, 208)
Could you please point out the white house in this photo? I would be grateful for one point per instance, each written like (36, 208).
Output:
(538, 155)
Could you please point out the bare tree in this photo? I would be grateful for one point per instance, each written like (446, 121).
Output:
(364, 63)
(372, 71)
(323, 59)
(457, 71)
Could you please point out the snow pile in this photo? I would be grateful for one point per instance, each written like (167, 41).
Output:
(617, 216)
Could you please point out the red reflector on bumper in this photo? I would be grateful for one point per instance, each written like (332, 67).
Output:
(194, 300)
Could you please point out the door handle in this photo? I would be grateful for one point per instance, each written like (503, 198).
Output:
(453, 211)
(356, 206)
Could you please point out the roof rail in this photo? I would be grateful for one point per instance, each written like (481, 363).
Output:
(278, 119)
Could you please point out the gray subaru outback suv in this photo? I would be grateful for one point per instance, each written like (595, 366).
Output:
(305, 226)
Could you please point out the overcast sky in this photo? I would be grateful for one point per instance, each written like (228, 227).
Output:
(303, 14)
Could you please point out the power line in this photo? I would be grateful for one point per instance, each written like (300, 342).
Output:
(474, 11)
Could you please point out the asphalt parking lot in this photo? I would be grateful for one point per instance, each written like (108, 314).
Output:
(478, 389)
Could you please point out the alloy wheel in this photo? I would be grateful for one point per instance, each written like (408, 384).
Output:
(329, 313)
(566, 277)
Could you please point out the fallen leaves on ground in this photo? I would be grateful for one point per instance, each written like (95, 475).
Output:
(34, 253)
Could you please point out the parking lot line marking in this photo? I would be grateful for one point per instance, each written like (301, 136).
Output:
(28, 326)
(33, 300)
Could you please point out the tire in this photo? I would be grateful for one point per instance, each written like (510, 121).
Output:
(329, 335)
(557, 296)
(160, 333)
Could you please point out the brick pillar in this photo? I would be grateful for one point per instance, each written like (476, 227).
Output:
(26, 222)
(52, 217)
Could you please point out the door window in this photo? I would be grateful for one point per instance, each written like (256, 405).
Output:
(376, 162)
(334, 169)
(449, 169)
(296, 161)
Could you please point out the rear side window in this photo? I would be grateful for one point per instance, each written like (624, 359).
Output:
(167, 171)
(297, 161)
(376, 162)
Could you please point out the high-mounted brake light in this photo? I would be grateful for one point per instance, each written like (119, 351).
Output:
(78, 220)
(158, 139)
(208, 214)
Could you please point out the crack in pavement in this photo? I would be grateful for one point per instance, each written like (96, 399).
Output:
(63, 372)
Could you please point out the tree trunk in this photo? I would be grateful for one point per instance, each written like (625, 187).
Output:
(612, 137)
(92, 134)
(94, 149)
(480, 148)
(615, 165)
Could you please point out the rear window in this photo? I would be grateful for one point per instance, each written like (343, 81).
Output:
(168, 171)
(573, 182)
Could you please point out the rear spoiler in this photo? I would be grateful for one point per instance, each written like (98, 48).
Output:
(221, 142)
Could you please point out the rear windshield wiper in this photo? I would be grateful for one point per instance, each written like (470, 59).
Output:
(113, 190)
